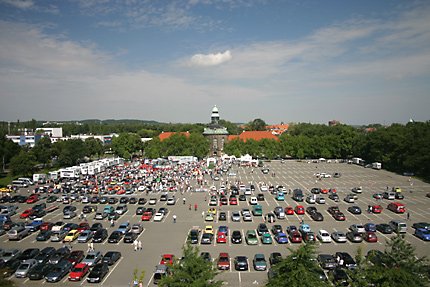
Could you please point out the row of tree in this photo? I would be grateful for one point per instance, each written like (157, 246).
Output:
(396, 266)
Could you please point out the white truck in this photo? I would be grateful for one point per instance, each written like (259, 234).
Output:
(377, 165)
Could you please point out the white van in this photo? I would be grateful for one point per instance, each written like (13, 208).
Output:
(19, 184)
(26, 180)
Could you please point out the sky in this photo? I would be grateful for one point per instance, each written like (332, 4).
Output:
(359, 62)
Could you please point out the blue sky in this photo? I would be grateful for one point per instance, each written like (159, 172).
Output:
(358, 62)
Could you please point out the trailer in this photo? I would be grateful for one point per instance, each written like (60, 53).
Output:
(377, 165)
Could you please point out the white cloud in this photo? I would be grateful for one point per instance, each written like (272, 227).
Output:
(21, 4)
(211, 59)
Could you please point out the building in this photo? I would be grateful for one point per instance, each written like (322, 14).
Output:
(255, 135)
(333, 123)
(216, 134)
(278, 129)
(166, 135)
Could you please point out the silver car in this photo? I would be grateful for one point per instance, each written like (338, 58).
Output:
(25, 266)
(339, 236)
(85, 236)
(59, 236)
(92, 258)
(10, 254)
(235, 216)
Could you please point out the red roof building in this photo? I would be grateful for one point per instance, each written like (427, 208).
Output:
(255, 135)
(166, 135)
(278, 129)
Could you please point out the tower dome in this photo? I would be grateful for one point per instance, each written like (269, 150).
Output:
(215, 115)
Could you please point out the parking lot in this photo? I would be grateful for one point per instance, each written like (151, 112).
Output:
(168, 237)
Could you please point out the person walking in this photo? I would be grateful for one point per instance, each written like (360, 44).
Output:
(91, 246)
(174, 218)
(203, 214)
(184, 200)
(135, 244)
(408, 216)
(139, 245)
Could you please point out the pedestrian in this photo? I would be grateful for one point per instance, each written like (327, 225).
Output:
(139, 245)
(408, 215)
(203, 214)
(184, 200)
(112, 223)
(190, 206)
(135, 243)
(174, 218)
(92, 246)
(195, 206)
(89, 247)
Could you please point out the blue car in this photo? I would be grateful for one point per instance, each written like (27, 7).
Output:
(370, 227)
(281, 238)
(422, 234)
(280, 196)
(124, 227)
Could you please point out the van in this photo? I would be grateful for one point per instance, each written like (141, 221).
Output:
(298, 194)
(398, 226)
(17, 233)
(26, 180)
(19, 184)
(253, 200)
(396, 207)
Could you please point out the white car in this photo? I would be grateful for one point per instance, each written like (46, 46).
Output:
(320, 200)
(85, 199)
(248, 191)
(264, 188)
(171, 201)
(141, 188)
(213, 202)
(310, 199)
(158, 217)
(324, 236)
(253, 200)
(325, 175)
(152, 201)
(357, 189)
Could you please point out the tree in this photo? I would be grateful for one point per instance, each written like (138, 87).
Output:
(191, 271)
(299, 269)
(257, 125)
(70, 152)
(23, 164)
(126, 144)
(94, 147)
(43, 150)
(397, 266)
(8, 149)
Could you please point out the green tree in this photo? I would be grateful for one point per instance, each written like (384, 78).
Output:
(299, 269)
(70, 152)
(43, 150)
(94, 147)
(8, 149)
(257, 125)
(191, 271)
(126, 144)
(23, 164)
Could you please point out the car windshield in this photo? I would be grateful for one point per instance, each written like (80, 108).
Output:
(24, 266)
(91, 256)
(78, 269)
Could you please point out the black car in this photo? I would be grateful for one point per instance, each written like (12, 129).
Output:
(132, 200)
(242, 197)
(140, 210)
(354, 237)
(96, 226)
(260, 197)
(142, 201)
(113, 215)
(163, 197)
(327, 261)
(129, 237)
(274, 258)
(89, 208)
(345, 260)
(111, 257)
(236, 237)
(384, 228)
(60, 254)
(29, 253)
(100, 235)
(58, 271)
(39, 271)
(193, 236)
(340, 277)
(311, 210)
(317, 216)
(10, 267)
(103, 200)
(45, 254)
(241, 263)
(98, 272)
(316, 190)
(222, 216)
(115, 237)
(262, 228)
(70, 226)
(123, 200)
(354, 209)
(334, 197)
(44, 235)
(37, 214)
(69, 208)
(94, 200)
(113, 200)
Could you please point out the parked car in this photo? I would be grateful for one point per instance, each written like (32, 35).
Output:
(327, 261)
(92, 258)
(111, 257)
(61, 269)
(78, 272)
(100, 235)
(98, 273)
(354, 236)
(223, 262)
(259, 262)
(323, 236)
(25, 267)
(241, 263)
(339, 236)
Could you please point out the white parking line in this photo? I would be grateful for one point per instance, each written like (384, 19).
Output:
(110, 272)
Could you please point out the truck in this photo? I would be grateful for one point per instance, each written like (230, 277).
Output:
(377, 165)
(39, 178)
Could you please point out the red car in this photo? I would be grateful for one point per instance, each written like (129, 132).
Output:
(223, 262)
(26, 213)
(46, 226)
(83, 226)
(147, 215)
(78, 272)
(295, 237)
(221, 237)
(339, 216)
(32, 198)
(370, 237)
(332, 190)
(324, 190)
(167, 259)
(376, 209)
(120, 192)
(396, 207)
(299, 209)
(289, 210)
(233, 201)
